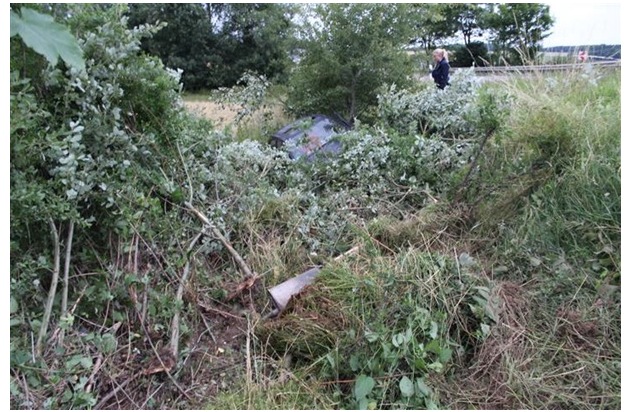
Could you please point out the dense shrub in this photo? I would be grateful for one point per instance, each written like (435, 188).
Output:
(475, 54)
(430, 110)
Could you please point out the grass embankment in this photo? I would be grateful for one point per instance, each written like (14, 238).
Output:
(508, 299)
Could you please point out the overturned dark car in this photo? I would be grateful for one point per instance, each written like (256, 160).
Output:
(311, 136)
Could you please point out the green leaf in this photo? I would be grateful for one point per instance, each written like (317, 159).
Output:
(420, 364)
(398, 339)
(430, 405)
(363, 387)
(406, 387)
(445, 355)
(354, 363)
(14, 305)
(108, 344)
(84, 361)
(46, 37)
(363, 404)
(422, 387)
(371, 336)
(434, 330)
(14, 23)
(433, 347)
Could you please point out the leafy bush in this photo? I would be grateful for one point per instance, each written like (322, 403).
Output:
(476, 53)
(432, 111)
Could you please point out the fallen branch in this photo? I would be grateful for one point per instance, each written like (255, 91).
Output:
(245, 284)
(113, 393)
(246, 270)
(347, 253)
(220, 312)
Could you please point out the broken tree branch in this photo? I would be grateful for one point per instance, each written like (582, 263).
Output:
(246, 270)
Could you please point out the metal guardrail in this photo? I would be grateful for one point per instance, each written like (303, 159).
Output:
(545, 67)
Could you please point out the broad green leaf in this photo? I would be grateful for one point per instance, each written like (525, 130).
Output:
(14, 23)
(445, 355)
(422, 387)
(363, 386)
(371, 336)
(108, 344)
(406, 387)
(433, 347)
(46, 37)
(354, 363)
(434, 330)
(84, 361)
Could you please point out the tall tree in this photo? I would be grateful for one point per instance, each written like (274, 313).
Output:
(186, 42)
(350, 51)
(215, 43)
(433, 22)
(518, 29)
(469, 18)
(254, 37)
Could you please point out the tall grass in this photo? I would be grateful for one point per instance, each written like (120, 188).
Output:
(549, 196)
(530, 320)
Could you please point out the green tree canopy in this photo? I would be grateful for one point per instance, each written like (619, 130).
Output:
(252, 37)
(433, 23)
(186, 42)
(215, 43)
(350, 50)
(470, 19)
(517, 30)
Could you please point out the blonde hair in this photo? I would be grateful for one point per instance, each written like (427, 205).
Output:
(441, 52)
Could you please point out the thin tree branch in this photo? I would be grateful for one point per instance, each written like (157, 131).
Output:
(179, 299)
(52, 291)
(246, 270)
(66, 275)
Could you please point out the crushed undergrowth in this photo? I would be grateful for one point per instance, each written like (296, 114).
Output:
(487, 221)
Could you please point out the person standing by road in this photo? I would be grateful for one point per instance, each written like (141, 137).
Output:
(440, 72)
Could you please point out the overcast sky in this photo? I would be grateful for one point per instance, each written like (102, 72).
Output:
(584, 24)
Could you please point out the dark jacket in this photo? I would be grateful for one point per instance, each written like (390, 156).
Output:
(440, 74)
